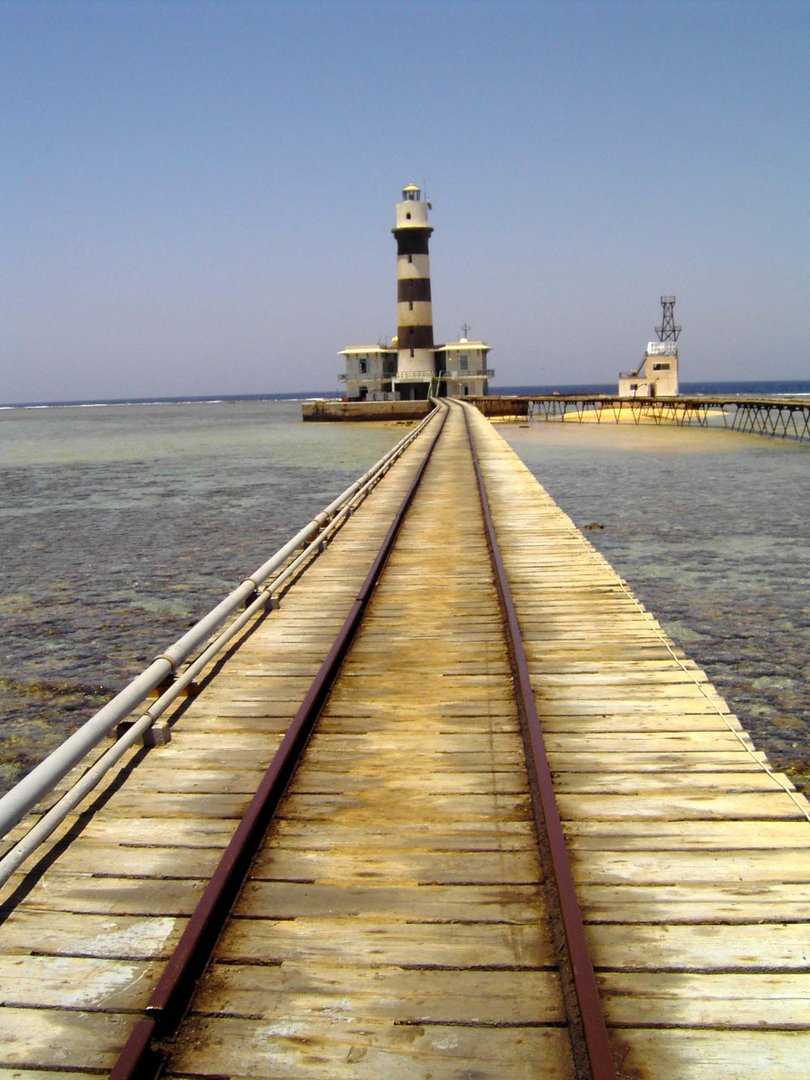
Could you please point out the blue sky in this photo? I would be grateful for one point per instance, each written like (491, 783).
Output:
(197, 197)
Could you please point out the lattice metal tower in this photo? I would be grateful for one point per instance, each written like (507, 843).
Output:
(668, 331)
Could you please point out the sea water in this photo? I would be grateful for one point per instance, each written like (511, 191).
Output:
(121, 525)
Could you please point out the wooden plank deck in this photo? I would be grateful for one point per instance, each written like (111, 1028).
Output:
(395, 924)
(409, 831)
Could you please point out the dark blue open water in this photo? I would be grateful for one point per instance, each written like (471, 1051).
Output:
(123, 524)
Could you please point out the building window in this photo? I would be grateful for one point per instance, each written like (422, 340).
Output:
(410, 305)
(463, 363)
(410, 258)
(660, 367)
(363, 365)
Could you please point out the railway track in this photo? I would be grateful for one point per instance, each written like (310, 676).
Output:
(397, 900)
(458, 809)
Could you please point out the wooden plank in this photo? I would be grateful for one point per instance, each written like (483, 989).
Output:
(444, 782)
(287, 1049)
(682, 867)
(452, 996)
(501, 903)
(637, 723)
(673, 681)
(751, 947)
(60, 1039)
(716, 1054)
(423, 867)
(129, 804)
(399, 942)
(153, 831)
(92, 894)
(752, 805)
(420, 745)
(25, 1073)
(645, 835)
(441, 836)
(194, 777)
(71, 982)
(420, 807)
(696, 902)
(668, 782)
(686, 763)
(138, 862)
(119, 937)
(717, 1000)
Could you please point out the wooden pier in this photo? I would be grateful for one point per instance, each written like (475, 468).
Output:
(405, 911)
(778, 417)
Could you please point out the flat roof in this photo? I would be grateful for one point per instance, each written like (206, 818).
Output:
(367, 349)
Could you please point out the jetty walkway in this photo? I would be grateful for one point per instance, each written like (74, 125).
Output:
(451, 804)
(777, 417)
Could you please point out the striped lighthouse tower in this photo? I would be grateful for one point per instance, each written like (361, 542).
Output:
(416, 359)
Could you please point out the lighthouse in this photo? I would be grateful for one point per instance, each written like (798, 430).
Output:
(416, 354)
(409, 366)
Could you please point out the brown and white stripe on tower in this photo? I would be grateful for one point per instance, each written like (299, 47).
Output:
(414, 310)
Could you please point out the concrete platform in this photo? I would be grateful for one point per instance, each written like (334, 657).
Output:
(364, 410)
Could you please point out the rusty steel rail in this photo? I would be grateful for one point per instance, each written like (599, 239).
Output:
(587, 1020)
(141, 1057)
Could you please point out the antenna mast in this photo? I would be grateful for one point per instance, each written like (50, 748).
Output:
(668, 331)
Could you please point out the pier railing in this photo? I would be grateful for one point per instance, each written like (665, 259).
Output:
(252, 596)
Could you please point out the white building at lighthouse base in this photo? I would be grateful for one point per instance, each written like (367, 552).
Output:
(372, 372)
